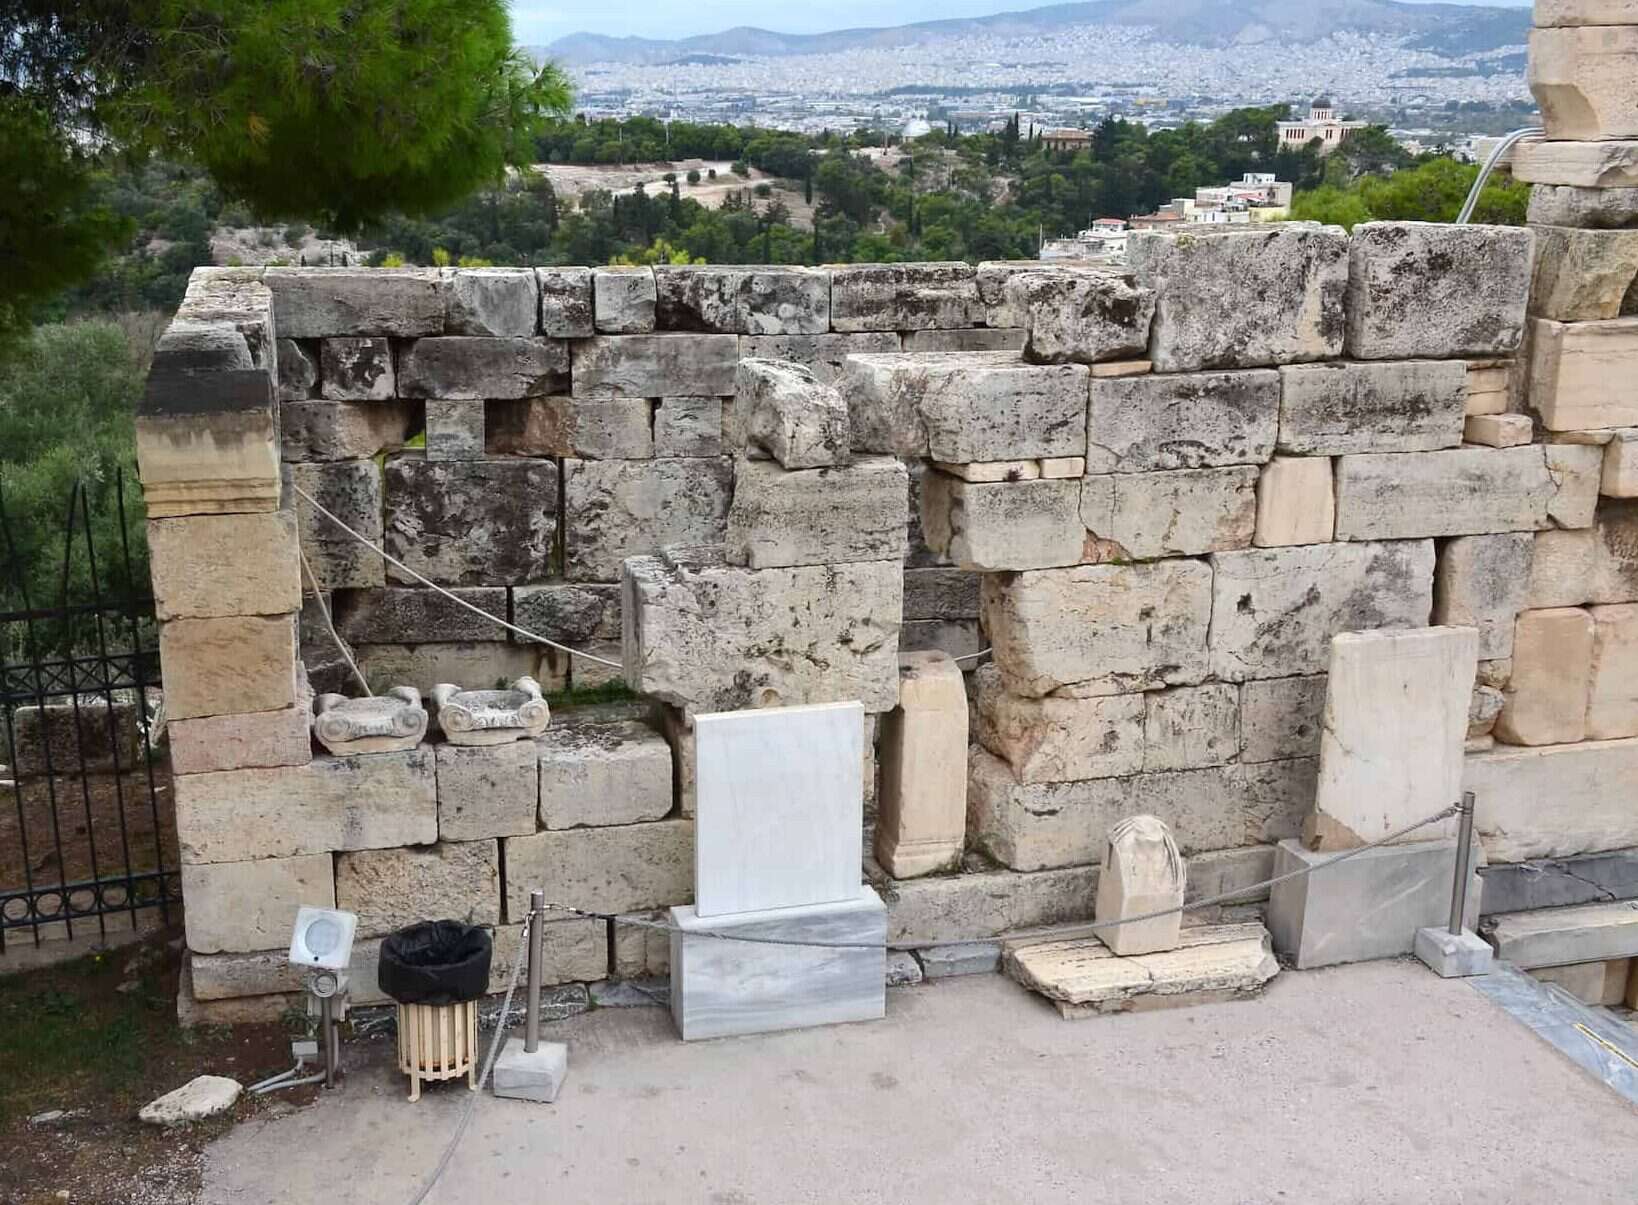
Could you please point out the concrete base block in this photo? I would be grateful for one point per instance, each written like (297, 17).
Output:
(1369, 906)
(521, 1075)
(1452, 955)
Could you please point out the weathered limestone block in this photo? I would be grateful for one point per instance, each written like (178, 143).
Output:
(1079, 318)
(1583, 275)
(454, 430)
(414, 615)
(604, 428)
(1498, 430)
(1055, 468)
(473, 368)
(623, 300)
(1576, 470)
(1584, 82)
(1058, 739)
(1191, 726)
(244, 906)
(1482, 709)
(938, 593)
(975, 338)
(1275, 610)
(321, 430)
(985, 904)
(572, 614)
(1586, 208)
(991, 471)
(227, 976)
(1000, 526)
(903, 297)
(1436, 290)
(1179, 513)
(854, 512)
(1243, 299)
(1552, 678)
(64, 737)
(486, 790)
(385, 723)
(1489, 385)
(1280, 717)
(228, 664)
(708, 636)
(1612, 708)
(688, 426)
(921, 821)
(491, 301)
(789, 413)
(1481, 582)
(1618, 466)
(655, 365)
(298, 371)
(619, 868)
(993, 276)
(1595, 565)
(1296, 502)
(1578, 164)
(575, 950)
(1550, 14)
(602, 773)
(391, 888)
(1193, 421)
(1551, 802)
(491, 717)
(1396, 707)
(311, 303)
(240, 742)
(621, 508)
(1141, 872)
(351, 491)
(472, 522)
(566, 303)
(206, 565)
(424, 666)
(370, 801)
(1462, 491)
(1101, 629)
(743, 300)
(961, 638)
(1389, 406)
(961, 407)
(356, 369)
(821, 354)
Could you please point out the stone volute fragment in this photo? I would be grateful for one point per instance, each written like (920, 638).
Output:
(1142, 871)
(385, 723)
(799, 421)
(491, 717)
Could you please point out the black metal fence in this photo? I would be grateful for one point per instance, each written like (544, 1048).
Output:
(87, 821)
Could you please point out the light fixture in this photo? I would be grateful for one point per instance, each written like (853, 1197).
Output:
(323, 938)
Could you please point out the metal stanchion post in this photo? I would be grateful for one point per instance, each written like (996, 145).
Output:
(1456, 951)
(330, 1038)
(536, 1070)
(531, 1020)
(1464, 853)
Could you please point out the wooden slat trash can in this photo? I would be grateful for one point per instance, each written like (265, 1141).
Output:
(437, 1042)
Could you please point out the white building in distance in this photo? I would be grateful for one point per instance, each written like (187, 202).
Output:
(1322, 124)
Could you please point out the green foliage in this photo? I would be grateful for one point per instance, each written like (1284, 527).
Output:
(1432, 191)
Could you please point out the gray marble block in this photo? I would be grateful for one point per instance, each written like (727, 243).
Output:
(1369, 906)
(1557, 882)
(722, 988)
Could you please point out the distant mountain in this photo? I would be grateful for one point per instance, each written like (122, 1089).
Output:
(1445, 29)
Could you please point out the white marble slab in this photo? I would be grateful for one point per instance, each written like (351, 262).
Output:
(723, 988)
(780, 808)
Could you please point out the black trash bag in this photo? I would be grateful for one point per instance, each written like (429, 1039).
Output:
(436, 962)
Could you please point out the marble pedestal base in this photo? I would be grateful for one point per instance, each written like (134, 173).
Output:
(522, 1075)
(1453, 955)
(722, 988)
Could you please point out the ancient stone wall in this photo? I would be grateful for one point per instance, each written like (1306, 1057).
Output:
(1157, 494)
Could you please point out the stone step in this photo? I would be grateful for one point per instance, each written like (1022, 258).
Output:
(1551, 937)
(1558, 882)
(1083, 978)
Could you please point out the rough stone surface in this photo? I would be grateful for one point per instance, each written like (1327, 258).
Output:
(655, 366)
(713, 637)
(243, 906)
(1078, 318)
(938, 593)
(1576, 470)
(1191, 726)
(235, 742)
(903, 297)
(472, 522)
(321, 430)
(823, 355)
(1612, 707)
(473, 368)
(1462, 491)
(1001, 526)
(1437, 290)
(205, 565)
(1552, 678)
(1489, 385)
(1103, 629)
(1557, 882)
(1275, 610)
(744, 300)
(1498, 430)
(1583, 80)
(298, 371)
(1181, 513)
(1191, 421)
(1390, 406)
(566, 303)
(621, 508)
(1481, 582)
(350, 490)
(1597, 565)
(486, 790)
(1243, 299)
(922, 806)
(1586, 208)
(688, 426)
(454, 430)
(1618, 466)
(968, 958)
(572, 614)
(1571, 365)
(620, 868)
(902, 969)
(623, 300)
(228, 665)
(1583, 275)
(855, 512)
(1583, 165)
(788, 412)
(975, 338)
(602, 773)
(356, 370)
(1554, 801)
(589, 428)
(1280, 717)
(1141, 872)
(1296, 502)
(1058, 739)
(491, 301)
(399, 614)
(201, 1097)
(486, 663)
(391, 888)
(310, 303)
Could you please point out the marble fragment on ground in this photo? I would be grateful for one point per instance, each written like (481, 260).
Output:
(1142, 872)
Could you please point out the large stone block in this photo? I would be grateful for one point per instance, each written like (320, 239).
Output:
(486, 790)
(229, 976)
(604, 428)
(1003, 525)
(503, 302)
(1058, 739)
(1583, 80)
(620, 508)
(1188, 727)
(987, 904)
(1556, 937)
(477, 664)
(1482, 582)
(356, 370)
(1099, 629)
(655, 365)
(472, 368)
(1573, 368)
(1586, 208)
(1595, 565)
(566, 310)
(244, 906)
(820, 354)
(403, 615)
(1280, 717)
(1396, 709)
(624, 300)
(938, 593)
(351, 491)
(391, 888)
(973, 338)
(1191, 421)
(1296, 502)
(1559, 882)
(1179, 513)
(207, 565)
(1550, 14)
(961, 407)
(1079, 318)
(621, 868)
(472, 522)
(1552, 678)
(1275, 610)
(1391, 406)
(1618, 466)
(572, 614)
(1428, 289)
(1554, 801)
(903, 297)
(743, 300)
(241, 742)
(993, 276)
(454, 429)
(689, 426)
(1582, 275)
(709, 636)
(369, 801)
(1577, 471)
(786, 411)
(228, 664)
(1243, 299)
(310, 303)
(1611, 165)
(921, 821)
(319, 430)
(822, 516)
(1462, 491)
(603, 773)
(1612, 707)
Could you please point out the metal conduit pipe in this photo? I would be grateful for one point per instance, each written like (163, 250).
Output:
(1506, 144)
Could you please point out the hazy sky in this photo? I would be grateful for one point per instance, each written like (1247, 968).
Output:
(537, 22)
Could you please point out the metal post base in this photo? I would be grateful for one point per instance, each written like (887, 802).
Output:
(1453, 955)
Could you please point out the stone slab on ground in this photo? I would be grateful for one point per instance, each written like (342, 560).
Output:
(1555, 936)
(966, 958)
(201, 1097)
(536, 1075)
(1558, 882)
(1083, 978)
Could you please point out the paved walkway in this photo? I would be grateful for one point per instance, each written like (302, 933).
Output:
(1376, 1083)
